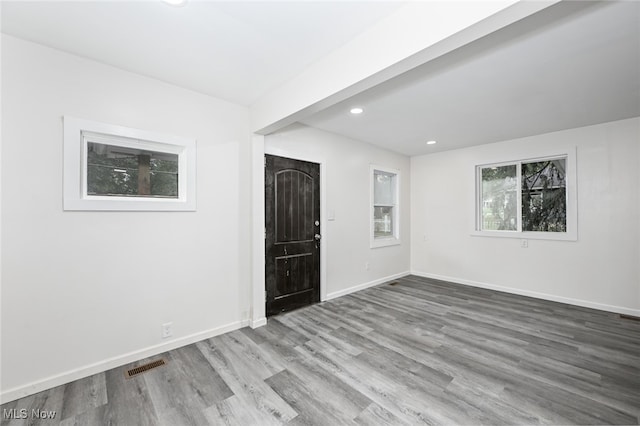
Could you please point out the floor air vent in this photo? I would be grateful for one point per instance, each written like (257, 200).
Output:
(394, 283)
(143, 368)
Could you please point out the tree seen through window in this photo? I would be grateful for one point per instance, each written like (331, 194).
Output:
(118, 171)
(542, 191)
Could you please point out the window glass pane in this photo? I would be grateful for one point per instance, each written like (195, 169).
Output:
(382, 221)
(499, 198)
(544, 196)
(384, 187)
(123, 171)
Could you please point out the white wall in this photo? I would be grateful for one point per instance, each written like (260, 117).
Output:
(346, 176)
(86, 291)
(600, 270)
(82, 291)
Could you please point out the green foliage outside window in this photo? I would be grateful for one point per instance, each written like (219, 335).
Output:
(543, 197)
(114, 173)
(499, 198)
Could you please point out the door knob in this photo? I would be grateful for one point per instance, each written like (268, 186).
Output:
(317, 237)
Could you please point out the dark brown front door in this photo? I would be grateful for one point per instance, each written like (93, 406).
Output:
(292, 211)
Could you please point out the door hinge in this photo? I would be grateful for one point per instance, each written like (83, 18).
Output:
(265, 295)
(265, 233)
(265, 161)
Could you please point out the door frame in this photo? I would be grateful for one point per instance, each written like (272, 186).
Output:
(257, 314)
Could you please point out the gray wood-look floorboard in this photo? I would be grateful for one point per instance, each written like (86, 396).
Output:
(418, 352)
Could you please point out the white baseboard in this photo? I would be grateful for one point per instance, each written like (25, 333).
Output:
(359, 287)
(99, 367)
(258, 323)
(535, 294)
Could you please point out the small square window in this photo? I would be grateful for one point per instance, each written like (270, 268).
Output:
(115, 168)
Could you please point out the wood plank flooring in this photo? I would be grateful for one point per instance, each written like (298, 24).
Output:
(421, 351)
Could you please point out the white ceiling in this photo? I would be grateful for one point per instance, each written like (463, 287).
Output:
(235, 51)
(571, 65)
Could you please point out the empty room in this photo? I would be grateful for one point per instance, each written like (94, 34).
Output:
(319, 212)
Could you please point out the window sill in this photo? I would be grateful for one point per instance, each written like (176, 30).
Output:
(113, 203)
(384, 242)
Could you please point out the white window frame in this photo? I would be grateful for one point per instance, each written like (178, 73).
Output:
(571, 193)
(384, 241)
(78, 133)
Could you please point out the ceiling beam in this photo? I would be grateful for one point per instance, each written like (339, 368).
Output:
(412, 36)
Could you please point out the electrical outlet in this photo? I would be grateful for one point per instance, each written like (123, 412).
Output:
(366, 266)
(524, 243)
(167, 330)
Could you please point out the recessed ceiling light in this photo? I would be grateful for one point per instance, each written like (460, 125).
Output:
(356, 110)
(175, 2)
(431, 142)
